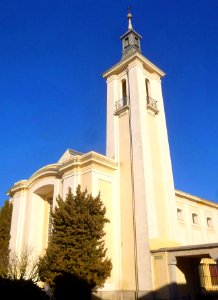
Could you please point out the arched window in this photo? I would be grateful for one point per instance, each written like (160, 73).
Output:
(195, 219)
(151, 103)
(124, 92)
(148, 92)
(209, 222)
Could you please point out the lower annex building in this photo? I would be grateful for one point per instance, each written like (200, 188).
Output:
(162, 242)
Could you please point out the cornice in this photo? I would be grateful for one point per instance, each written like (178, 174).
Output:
(57, 170)
(123, 64)
(86, 159)
(49, 170)
(196, 199)
(128, 32)
(186, 248)
(18, 186)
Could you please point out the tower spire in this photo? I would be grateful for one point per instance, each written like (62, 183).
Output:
(129, 16)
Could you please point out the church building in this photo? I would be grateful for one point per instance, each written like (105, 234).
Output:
(162, 242)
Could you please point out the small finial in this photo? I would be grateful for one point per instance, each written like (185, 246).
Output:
(129, 16)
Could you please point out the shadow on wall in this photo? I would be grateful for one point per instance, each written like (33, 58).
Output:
(68, 286)
(171, 292)
(179, 292)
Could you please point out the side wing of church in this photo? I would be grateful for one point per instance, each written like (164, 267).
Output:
(162, 242)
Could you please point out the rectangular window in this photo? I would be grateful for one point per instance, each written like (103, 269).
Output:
(180, 214)
(209, 222)
(195, 219)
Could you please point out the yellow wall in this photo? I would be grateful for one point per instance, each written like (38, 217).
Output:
(127, 232)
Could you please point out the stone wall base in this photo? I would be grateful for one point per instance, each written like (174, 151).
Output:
(123, 295)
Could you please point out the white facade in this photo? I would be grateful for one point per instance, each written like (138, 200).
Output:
(150, 222)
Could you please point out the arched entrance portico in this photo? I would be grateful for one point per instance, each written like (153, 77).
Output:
(46, 193)
(38, 225)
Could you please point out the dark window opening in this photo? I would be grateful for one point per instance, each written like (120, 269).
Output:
(147, 85)
(126, 42)
(136, 42)
(195, 219)
(209, 222)
(124, 92)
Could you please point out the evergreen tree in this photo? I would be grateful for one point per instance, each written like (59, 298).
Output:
(5, 226)
(76, 245)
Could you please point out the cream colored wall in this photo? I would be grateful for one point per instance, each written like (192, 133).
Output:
(71, 179)
(189, 233)
(140, 171)
(160, 183)
(112, 97)
(18, 220)
(157, 230)
(119, 143)
(107, 184)
(126, 206)
(34, 223)
(86, 181)
(160, 275)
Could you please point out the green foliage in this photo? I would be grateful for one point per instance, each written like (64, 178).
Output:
(76, 245)
(5, 226)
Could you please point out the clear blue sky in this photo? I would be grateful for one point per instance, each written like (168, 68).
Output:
(53, 97)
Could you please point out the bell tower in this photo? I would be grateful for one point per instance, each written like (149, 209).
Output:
(137, 139)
